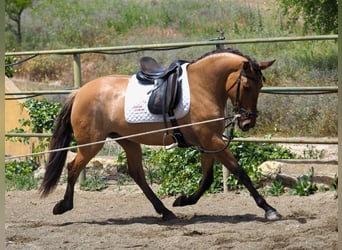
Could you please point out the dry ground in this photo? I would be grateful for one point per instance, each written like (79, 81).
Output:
(122, 218)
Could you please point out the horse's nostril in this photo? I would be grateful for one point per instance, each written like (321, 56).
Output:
(246, 127)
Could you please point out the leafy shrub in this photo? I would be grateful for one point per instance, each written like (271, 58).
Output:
(178, 171)
(21, 182)
(43, 115)
(20, 168)
(251, 155)
(19, 175)
(305, 186)
(94, 183)
(9, 70)
(277, 188)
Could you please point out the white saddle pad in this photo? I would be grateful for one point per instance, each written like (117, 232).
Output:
(136, 110)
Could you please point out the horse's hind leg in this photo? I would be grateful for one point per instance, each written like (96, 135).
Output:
(207, 162)
(136, 171)
(83, 156)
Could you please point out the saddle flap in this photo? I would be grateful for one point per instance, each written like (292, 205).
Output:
(138, 94)
(165, 96)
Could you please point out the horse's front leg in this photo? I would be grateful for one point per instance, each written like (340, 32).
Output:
(207, 162)
(228, 160)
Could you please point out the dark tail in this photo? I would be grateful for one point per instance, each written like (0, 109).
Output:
(61, 138)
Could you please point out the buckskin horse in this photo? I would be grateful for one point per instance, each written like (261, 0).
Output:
(96, 112)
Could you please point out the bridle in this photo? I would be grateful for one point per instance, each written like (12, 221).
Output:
(238, 108)
(239, 111)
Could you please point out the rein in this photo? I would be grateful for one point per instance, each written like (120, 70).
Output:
(229, 137)
(238, 109)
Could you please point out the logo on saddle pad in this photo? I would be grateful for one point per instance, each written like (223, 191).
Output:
(154, 92)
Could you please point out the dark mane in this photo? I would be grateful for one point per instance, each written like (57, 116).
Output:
(233, 51)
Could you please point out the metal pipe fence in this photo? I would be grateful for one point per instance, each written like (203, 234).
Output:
(170, 46)
(294, 140)
(76, 53)
(268, 90)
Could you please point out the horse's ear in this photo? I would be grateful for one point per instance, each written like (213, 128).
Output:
(265, 65)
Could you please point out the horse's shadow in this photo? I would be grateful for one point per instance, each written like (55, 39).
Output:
(182, 220)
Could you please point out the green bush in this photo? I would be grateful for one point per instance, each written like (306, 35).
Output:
(304, 185)
(20, 168)
(178, 171)
(43, 114)
(94, 183)
(21, 182)
(276, 189)
(19, 175)
(9, 70)
(251, 155)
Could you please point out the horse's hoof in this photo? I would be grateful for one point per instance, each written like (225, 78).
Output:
(272, 215)
(180, 201)
(61, 207)
(169, 216)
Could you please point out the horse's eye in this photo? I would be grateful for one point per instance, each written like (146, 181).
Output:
(246, 83)
(246, 86)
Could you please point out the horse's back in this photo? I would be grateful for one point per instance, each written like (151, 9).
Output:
(99, 102)
(100, 89)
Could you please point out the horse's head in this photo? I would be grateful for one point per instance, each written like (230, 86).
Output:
(243, 89)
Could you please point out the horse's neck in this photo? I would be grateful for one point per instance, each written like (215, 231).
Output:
(218, 65)
(213, 72)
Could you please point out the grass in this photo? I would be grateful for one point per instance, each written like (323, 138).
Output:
(94, 23)
(304, 185)
(21, 182)
(94, 183)
(276, 188)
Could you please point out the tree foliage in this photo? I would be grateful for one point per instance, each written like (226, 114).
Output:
(14, 10)
(320, 16)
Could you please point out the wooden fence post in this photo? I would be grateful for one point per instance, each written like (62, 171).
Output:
(78, 84)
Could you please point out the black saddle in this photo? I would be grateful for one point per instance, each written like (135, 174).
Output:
(166, 93)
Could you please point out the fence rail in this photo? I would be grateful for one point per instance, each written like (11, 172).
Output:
(268, 90)
(170, 46)
(294, 140)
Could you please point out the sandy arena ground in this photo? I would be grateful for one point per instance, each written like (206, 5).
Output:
(122, 218)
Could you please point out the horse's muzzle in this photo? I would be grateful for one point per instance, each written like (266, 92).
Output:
(246, 124)
(247, 119)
